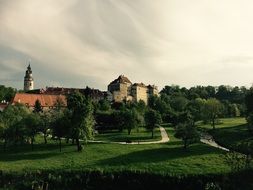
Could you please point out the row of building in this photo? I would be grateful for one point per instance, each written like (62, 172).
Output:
(119, 90)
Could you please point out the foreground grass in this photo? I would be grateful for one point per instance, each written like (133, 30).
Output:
(169, 158)
(139, 135)
(232, 133)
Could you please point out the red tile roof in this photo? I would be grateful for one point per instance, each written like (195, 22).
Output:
(45, 100)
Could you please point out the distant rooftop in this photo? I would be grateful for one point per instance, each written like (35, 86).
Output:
(121, 79)
(45, 99)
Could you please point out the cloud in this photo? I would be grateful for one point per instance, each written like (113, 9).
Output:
(90, 42)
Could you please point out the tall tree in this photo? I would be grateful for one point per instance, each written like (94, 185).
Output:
(60, 127)
(31, 124)
(37, 107)
(212, 110)
(187, 132)
(130, 120)
(82, 119)
(152, 119)
(46, 118)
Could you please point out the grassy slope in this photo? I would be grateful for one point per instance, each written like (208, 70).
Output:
(142, 135)
(231, 133)
(157, 158)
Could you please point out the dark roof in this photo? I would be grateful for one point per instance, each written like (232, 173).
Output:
(140, 85)
(152, 87)
(121, 79)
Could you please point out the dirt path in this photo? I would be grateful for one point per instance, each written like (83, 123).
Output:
(208, 139)
(164, 139)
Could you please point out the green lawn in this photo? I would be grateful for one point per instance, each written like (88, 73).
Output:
(225, 122)
(168, 158)
(135, 136)
(231, 133)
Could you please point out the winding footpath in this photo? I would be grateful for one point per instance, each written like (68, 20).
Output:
(164, 139)
(208, 139)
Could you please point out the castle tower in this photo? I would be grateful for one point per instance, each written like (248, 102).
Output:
(28, 80)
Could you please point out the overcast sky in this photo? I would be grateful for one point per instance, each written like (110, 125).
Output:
(74, 43)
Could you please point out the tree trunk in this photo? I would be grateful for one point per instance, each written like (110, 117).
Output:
(213, 123)
(129, 131)
(152, 133)
(79, 147)
(32, 139)
(45, 138)
(185, 143)
(5, 144)
(60, 143)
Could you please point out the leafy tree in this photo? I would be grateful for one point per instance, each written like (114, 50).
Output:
(195, 107)
(152, 119)
(6, 93)
(37, 107)
(46, 118)
(212, 110)
(250, 123)
(31, 124)
(130, 120)
(3, 134)
(249, 101)
(60, 127)
(82, 120)
(104, 105)
(188, 133)
(179, 103)
(12, 118)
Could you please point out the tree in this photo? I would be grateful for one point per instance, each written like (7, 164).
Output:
(179, 103)
(195, 107)
(60, 127)
(82, 119)
(45, 119)
(249, 101)
(212, 110)
(6, 93)
(31, 124)
(130, 120)
(104, 105)
(37, 107)
(3, 134)
(152, 119)
(188, 133)
(12, 118)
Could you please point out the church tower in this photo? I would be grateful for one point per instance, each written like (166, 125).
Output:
(28, 80)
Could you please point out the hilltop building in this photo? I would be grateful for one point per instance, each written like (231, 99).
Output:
(122, 89)
(28, 79)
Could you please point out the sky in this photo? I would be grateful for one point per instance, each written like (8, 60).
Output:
(81, 43)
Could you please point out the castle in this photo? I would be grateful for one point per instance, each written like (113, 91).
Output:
(122, 89)
(119, 90)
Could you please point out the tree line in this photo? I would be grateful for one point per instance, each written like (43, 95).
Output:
(178, 106)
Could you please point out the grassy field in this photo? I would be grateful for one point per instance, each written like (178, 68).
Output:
(169, 158)
(135, 136)
(231, 133)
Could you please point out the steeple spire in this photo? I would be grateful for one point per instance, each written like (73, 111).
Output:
(28, 79)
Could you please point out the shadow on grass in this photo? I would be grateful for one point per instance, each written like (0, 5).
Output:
(158, 155)
(41, 151)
